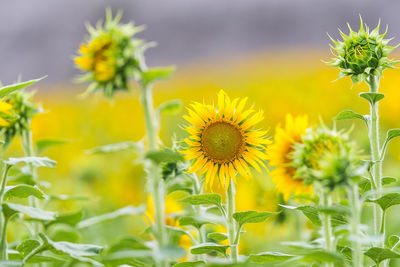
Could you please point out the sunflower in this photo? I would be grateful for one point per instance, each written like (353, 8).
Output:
(280, 156)
(223, 141)
(5, 111)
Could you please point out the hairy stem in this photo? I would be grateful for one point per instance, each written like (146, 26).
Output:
(354, 198)
(154, 171)
(326, 200)
(232, 228)
(3, 220)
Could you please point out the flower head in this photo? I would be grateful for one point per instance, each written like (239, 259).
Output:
(326, 156)
(223, 140)
(362, 54)
(110, 56)
(280, 156)
(18, 118)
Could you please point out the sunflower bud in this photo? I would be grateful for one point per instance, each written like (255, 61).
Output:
(362, 54)
(18, 118)
(111, 56)
(326, 156)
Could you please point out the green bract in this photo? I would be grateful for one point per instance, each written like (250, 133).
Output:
(326, 156)
(111, 55)
(362, 54)
(23, 110)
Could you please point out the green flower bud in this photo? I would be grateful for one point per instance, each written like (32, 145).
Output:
(327, 157)
(111, 56)
(362, 54)
(20, 116)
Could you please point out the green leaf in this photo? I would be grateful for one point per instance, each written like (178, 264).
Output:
(172, 106)
(6, 263)
(349, 114)
(207, 248)
(388, 200)
(380, 254)
(252, 216)
(365, 184)
(72, 218)
(171, 252)
(393, 241)
(43, 144)
(23, 191)
(128, 210)
(193, 221)
(26, 246)
(129, 243)
(5, 90)
(154, 74)
(310, 212)
(63, 232)
(265, 257)
(322, 256)
(190, 264)
(165, 155)
(391, 134)
(204, 199)
(372, 97)
(117, 147)
(218, 236)
(9, 209)
(35, 161)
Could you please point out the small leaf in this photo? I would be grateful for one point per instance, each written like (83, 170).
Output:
(72, 218)
(388, 200)
(203, 199)
(154, 74)
(207, 248)
(393, 241)
(349, 114)
(391, 134)
(380, 254)
(191, 264)
(218, 236)
(26, 246)
(5, 90)
(35, 161)
(117, 147)
(43, 144)
(252, 216)
(372, 97)
(23, 191)
(129, 210)
(193, 221)
(165, 155)
(265, 257)
(310, 212)
(10, 209)
(129, 243)
(172, 106)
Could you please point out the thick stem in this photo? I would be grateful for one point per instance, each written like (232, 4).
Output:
(355, 222)
(373, 83)
(153, 171)
(232, 228)
(326, 200)
(3, 220)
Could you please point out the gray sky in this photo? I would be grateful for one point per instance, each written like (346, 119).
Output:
(39, 37)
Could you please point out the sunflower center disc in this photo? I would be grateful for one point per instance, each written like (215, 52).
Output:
(222, 141)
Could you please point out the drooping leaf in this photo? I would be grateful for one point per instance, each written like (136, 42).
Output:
(388, 200)
(310, 212)
(390, 135)
(35, 161)
(128, 210)
(43, 144)
(207, 248)
(8, 89)
(266, 257)
(349, 114)
(10, 209)
(204, 199)
(164, 155)
(117, 147)
(218, 236)
(172, 106)
(196, 222)
(380, 254)
(372, 97)
(365, 184)
(252, 216)
(23, 191)
(154, 74)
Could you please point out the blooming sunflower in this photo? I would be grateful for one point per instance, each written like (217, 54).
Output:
(223, 141)
(5, 112)
(280, 156)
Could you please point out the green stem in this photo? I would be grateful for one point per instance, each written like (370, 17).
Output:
(373, 134)
(3, 220)
(355, 222)
(325, 200)
(233, 239)
(153, 170)
(197, 208)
